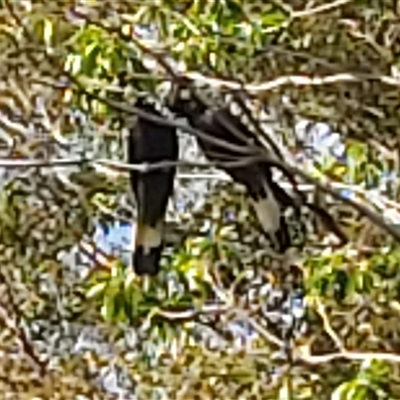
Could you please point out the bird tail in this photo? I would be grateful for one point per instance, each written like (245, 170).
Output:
(148, 248)
(269, 210)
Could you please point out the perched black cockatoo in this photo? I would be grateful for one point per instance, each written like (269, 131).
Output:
(268, 198)
(151, 142)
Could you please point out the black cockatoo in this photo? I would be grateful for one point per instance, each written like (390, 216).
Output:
(151, 142)
(268, 198)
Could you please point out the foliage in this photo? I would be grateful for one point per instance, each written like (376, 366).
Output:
(323, 325)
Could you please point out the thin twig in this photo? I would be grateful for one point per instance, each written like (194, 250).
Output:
(146, 167)
(292, 80)
(190, 314)
(14, 163)
(328, 327)
(264, 333)
(350, 355)
(320, 9)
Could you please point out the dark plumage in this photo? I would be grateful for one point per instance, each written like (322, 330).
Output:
(267, 197)
(150, 142)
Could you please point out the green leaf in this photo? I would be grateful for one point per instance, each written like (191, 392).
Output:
(48, 32)
(108, 308)
(96, 290)
(342, 391)
(273, 19)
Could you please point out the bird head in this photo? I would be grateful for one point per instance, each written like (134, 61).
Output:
(181, 98)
